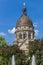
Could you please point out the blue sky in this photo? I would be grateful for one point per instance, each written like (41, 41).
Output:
(10, 12)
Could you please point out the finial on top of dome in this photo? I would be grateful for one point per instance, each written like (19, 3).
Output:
(24, 8)
(24, 4)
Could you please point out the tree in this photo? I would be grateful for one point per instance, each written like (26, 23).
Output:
(3, 42)
(33, 46)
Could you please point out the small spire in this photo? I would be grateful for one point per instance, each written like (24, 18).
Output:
(24, 8)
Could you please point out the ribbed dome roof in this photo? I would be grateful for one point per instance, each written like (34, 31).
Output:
(24, 20)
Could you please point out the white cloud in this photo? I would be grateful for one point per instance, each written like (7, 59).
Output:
(12, 31)
(35, 24)
(36, 32)
(2, 34)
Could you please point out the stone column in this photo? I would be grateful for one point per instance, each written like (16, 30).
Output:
(27, 35)
(17, 35)
(22, 35)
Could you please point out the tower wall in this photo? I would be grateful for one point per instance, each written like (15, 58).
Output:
(24, 31)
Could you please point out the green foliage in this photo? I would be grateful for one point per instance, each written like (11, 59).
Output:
(7, 53)
(35, 47)
(2, 42)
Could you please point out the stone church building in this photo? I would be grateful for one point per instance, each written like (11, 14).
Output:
(24, 31)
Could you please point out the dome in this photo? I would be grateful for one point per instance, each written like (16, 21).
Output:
(24, 20)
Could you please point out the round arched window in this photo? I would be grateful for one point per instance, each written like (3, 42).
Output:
(29, 35)
(24, 35)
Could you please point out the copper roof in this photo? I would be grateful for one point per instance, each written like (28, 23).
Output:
(24, 20)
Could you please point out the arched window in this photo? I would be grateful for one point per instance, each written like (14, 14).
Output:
(29, 35)
(20, 36)
(24, 35)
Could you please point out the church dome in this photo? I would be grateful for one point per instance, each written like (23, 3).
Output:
(24, 20)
